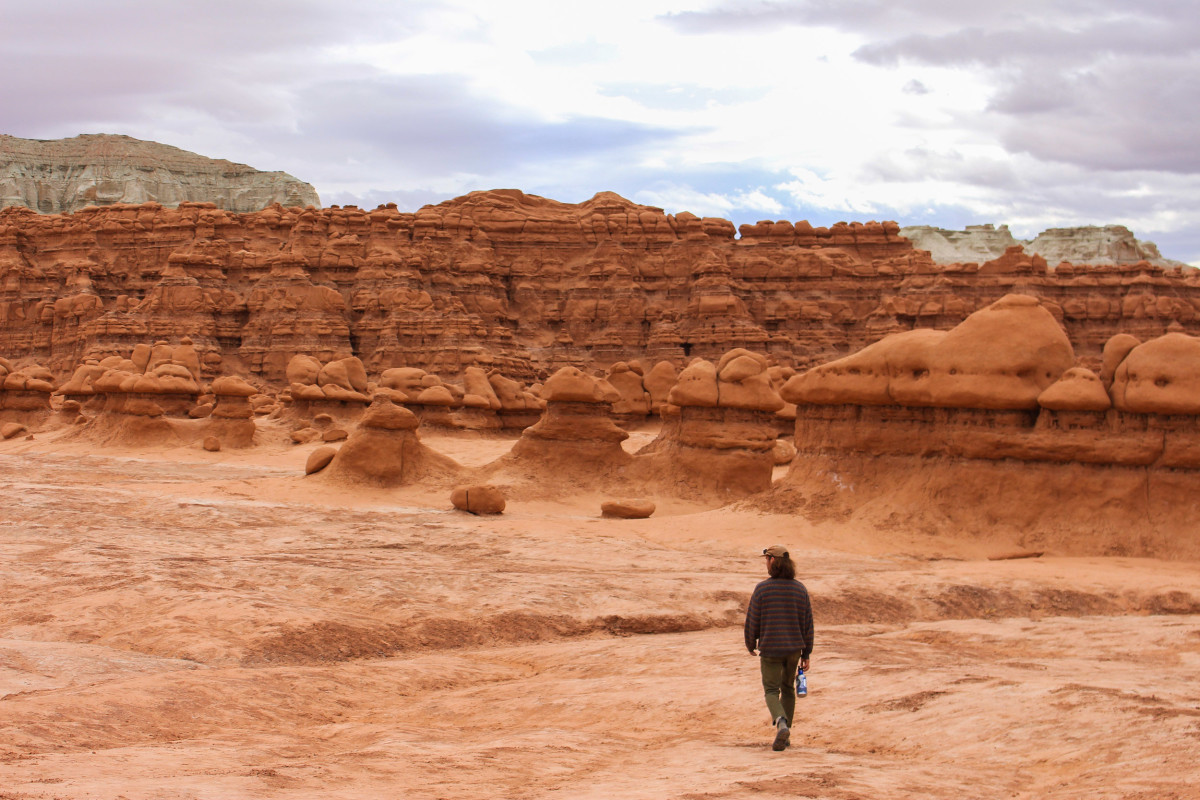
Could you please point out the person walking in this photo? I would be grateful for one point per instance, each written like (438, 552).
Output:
(779, 630)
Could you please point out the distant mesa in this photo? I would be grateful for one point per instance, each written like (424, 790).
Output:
(1099, 245)
(58, 176)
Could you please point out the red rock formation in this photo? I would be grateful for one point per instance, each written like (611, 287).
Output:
(24, 393)
(385, 451)
(719, 436)
(1030, 446)
(576, 432)
(515, 283)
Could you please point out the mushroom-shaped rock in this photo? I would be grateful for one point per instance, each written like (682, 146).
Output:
(484, 499)
(744, 382)
(1161, 376)
(697, 386)
(1000, 357)
(627, 509)
(739, 364)
(1078, 389)
(435, 396)
(337, 374)
(571, 385)
(384, 450)
(232, 386)
(303, 369)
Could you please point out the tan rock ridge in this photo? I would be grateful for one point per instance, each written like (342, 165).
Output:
(1090, 244)
(54, 176)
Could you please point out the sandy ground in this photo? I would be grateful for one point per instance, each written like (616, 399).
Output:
(182, 624)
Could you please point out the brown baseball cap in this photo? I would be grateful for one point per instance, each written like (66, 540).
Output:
(776, 550)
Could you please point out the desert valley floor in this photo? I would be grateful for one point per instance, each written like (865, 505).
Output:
(178, 624)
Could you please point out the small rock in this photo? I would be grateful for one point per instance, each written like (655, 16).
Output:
(319, 459)
(478, 499)
(12, 429)
(627, 509)
(334, 435)
(201, 411)
(783, 452)
(212, 444)
(305, 435)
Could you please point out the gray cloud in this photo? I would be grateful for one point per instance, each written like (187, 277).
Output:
(1100, 84)
(72, 66)
(440, 126)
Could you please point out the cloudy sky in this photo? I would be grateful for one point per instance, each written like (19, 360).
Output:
(1034, 113)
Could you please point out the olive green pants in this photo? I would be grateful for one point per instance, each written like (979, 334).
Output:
(779, 684)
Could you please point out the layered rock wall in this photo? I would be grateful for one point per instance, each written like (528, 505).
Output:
(524, 285)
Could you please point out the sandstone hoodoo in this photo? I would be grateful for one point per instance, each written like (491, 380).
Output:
(232, 417)
(338, 388)
(384, 451)
(992, 418)
(574, 442)
(24, 392)
(517, 285)
(718, 437)
(54, 176)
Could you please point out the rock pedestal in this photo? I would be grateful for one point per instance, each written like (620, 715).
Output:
(384, 451)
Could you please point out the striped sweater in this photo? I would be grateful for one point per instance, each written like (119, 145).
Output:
(779, 619)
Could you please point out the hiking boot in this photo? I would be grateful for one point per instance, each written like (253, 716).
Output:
(783, 734)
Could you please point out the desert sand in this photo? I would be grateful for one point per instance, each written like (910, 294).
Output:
(182, 624)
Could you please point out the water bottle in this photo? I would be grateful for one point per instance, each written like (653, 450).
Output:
(801, 684)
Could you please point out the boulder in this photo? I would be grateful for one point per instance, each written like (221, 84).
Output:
(484, 499)
(627, 509)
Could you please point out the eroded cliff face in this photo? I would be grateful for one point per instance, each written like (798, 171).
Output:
(518, 283)
(63, 175)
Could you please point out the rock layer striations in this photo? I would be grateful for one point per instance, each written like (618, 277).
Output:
(54, 176)
(523, 285)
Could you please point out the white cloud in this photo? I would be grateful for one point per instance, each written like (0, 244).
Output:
(1036, 112)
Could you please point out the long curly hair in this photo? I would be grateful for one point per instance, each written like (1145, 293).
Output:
(782, 567)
